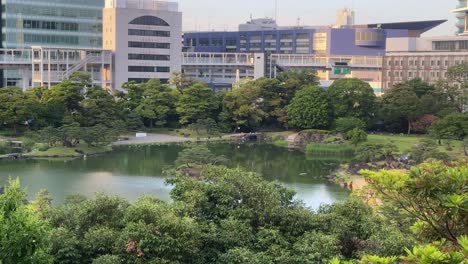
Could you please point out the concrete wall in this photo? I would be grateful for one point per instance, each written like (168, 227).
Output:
(115, 37)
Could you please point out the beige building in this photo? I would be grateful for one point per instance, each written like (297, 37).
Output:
(426, 58)
(145, 38)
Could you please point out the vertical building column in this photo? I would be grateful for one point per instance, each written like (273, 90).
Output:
(24, 72)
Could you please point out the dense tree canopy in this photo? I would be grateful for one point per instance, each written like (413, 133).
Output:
(310, 108)
(353, 98)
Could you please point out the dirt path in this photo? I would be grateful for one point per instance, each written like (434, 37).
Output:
(150, 139)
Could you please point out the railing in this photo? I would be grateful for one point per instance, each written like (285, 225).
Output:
(322, 61)
(201, 58)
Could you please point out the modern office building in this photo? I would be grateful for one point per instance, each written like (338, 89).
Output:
(426, 58)
(145, 38)
(49, 23)
(335, 53)
(461, 13)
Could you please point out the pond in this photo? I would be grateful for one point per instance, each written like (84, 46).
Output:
(131, 172)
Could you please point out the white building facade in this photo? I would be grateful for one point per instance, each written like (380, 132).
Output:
(145, 38)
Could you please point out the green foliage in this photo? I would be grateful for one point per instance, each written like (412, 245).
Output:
(199, 155)
(356, 136)
(107, 259)
(208, 125)
(353, 98)
(158, 103)
(310, 108)
(197, 102)
(371, 152)
(346, 124)
(453, 126)
(23, 236)
(432, 194)
(426, 149)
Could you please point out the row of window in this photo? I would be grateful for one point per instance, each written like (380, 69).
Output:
(421, 63)
(148, 45)
(150, 57)
(51, 39)
(145, 80)
(450, 45)
(414, 74)
(219, 42)
(65, 26)
(148, 69)
(369, 36)
(148, 33)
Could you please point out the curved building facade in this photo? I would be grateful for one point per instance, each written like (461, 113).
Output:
(144, 36)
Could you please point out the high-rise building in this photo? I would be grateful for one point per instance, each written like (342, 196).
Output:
(52, 23)
(462, 17)
(49, 23)
(145, 37)
(344, 18)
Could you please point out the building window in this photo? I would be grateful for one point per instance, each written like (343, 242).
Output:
(444, 45)
(320, 42)
(148, 45)
(217, 42)
(410, 74)
(438, 63)
(423, 62)
(149, 21)
(152, 57)
(204, 42)
(145, 80)
(446, 63)
(148, 69)
(231, 42)
(148, 33)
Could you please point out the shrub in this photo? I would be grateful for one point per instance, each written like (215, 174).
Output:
(357, 136)
(346, 124)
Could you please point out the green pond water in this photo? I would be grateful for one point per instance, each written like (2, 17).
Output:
(131, 172)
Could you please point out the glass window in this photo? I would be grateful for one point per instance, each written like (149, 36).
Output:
(148, 33)
(148, 45)
(149, 21)
(152, 57)
(148, 69)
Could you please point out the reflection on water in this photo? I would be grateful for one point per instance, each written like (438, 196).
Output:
(135, 171)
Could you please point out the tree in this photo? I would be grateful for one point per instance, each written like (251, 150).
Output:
(401, 104)
(357, 136)
(98, 107)
(197, 102)
(310, 108)
(209, 125)
(199, 156)
(181, 82)
(346, 124)
(16, 108)
(426, 149)
(457, 74)
(432, 194)
(23, 235)
(158, 103)
(353, 98)
(454, 126)
(295, 80)
(241, 106)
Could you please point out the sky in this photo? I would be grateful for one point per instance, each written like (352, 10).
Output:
(207, 15)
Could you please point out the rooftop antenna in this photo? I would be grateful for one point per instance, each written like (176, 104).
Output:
(276, 10)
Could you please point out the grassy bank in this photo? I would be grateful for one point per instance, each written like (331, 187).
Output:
(77, 151)
(405, 143)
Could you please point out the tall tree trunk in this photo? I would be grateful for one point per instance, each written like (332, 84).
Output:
(409, 127)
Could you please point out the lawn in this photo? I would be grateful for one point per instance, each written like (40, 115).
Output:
(405, 142)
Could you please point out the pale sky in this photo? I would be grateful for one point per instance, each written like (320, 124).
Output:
(206, 15)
